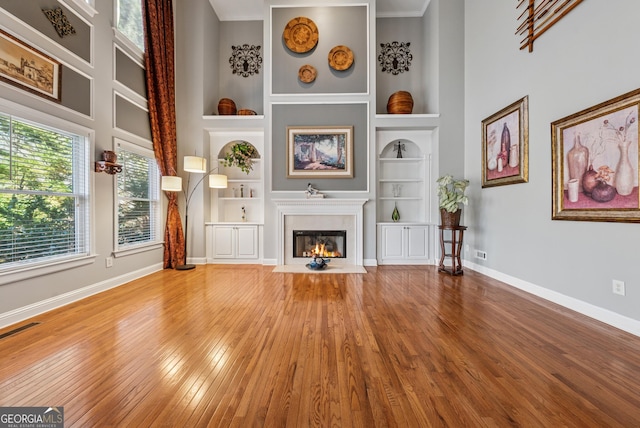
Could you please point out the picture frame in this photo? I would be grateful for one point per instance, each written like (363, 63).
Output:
(595, 162)
(29, 69)
(505, 145)
(320, 151)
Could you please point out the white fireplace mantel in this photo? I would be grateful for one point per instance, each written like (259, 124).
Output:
(322, 207)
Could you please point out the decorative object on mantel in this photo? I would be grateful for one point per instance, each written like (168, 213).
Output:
(226, 107)
(241, 155)
(108, 163)
(59, 21)
(400, 102)
(450, 198)
(340, 58)
(399, 147)
(245, 60)
(300, 35)
(395, 57)
(307, 73)
(246, 112)
(313, 193)
(538, 16)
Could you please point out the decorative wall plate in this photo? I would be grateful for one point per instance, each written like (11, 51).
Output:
(300, 35)
(307, 73)
(340, 58)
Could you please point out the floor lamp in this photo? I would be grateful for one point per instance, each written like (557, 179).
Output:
(172, 183)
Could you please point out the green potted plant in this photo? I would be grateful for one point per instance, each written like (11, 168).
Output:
(451, 196)
(241, 155)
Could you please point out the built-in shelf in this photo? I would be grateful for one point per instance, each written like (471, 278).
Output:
(407, 121)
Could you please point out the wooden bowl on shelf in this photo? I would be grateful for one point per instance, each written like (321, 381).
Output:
(246, 112)
(226, 106)
(400, 102)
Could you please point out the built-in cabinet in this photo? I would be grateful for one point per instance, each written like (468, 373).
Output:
(237, 212)
(239, 242)
(403, 244)
(404, 182)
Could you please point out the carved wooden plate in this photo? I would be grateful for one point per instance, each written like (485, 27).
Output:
(300, 35)
(307, 73)
(340, 58)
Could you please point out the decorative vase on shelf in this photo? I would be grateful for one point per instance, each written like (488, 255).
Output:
(577, 160)
(395, 215)
(624, 171)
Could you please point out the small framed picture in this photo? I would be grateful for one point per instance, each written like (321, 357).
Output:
(505, 145)
(320, 151)
(27, 68)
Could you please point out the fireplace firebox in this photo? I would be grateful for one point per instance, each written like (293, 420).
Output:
(324, 243)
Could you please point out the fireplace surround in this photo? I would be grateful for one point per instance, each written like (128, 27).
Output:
(326, 214)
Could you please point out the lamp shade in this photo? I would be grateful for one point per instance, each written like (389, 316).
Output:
(217, 181)
(195, 164)
(171, 183)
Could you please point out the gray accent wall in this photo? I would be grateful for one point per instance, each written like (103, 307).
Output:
(345, 26)
(320, 115)
(130, 73)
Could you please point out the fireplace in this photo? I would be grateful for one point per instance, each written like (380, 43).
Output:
(322, 214)
(324, 243)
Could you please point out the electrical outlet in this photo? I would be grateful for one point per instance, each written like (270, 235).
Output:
(481, 255)
(618, 287)
(109, 262)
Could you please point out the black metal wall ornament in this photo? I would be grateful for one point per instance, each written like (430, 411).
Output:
(395, 57)
(59, 21)
(245, 60)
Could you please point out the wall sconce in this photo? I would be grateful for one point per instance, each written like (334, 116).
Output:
(172, 183)
(108, 163)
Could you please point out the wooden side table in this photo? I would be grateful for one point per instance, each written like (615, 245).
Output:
(451, 248)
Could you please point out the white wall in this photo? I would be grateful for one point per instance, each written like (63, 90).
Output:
(588, 57)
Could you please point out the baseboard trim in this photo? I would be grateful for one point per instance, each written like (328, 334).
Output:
(20, 314)
(603, 315)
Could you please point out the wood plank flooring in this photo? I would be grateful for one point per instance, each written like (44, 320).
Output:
(240, 346)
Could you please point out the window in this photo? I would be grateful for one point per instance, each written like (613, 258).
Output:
(129, 21)
(44, 195)
(138, 193)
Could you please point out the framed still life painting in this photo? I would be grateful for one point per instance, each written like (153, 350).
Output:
(595, 162)
(505, 145)
(320, 151)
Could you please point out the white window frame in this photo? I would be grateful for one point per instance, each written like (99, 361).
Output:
(121, 251)
(122, 40)
(46, 267)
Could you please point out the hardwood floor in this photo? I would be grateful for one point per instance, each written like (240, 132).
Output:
(241, 346)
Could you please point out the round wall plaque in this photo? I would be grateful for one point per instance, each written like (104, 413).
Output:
(340, 58)
(300, 35)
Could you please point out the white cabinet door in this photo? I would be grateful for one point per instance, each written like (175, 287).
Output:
(247, 242)
(417, 242)
(392, 242)
(223, 242)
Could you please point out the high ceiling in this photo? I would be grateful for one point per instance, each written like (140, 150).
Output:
(252, 10)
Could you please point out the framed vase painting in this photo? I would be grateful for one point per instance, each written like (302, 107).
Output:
(319, 151)
(595, 162)
(505, 145)
(27, 68)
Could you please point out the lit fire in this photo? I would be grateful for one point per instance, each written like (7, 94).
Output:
(321, 251)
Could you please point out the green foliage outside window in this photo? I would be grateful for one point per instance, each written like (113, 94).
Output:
(129, 21)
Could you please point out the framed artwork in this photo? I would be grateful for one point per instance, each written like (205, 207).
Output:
(595, 162)
(28, 68)
(505, 145)
(320, 152)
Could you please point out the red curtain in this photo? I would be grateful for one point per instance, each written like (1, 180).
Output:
(157, 16)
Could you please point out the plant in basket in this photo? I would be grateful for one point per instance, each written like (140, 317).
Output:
(450, 197)
(241, 155)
